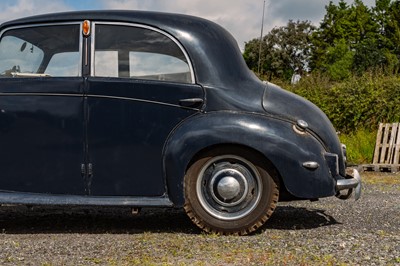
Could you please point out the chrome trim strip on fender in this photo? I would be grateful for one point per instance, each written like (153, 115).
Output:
(310, 165)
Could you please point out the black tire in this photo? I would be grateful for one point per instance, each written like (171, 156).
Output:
(230, 191)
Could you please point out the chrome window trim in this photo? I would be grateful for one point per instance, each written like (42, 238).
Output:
(93, 36)
(54, 24)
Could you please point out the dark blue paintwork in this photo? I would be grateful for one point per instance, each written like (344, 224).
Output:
(272, 137)
(41, 136)
(126, 136)
(139, 137)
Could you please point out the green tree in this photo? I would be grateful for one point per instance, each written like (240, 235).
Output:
(353, 26)
(387, 15)
(334, 27)
(250, 54)
(339, 60)
(285, 50)
(368, 53)
(351, 39)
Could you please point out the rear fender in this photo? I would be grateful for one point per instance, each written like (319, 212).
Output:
(275, 139)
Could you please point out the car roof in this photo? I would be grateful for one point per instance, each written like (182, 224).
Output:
(215, 55)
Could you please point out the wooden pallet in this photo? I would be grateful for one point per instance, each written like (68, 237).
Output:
(387, 147)
(387, 168)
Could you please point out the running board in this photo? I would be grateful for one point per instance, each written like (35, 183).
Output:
(45, 199)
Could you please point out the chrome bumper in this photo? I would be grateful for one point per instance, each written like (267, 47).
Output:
(350, 183)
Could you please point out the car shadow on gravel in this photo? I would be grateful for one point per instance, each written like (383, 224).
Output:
(297, 218)
(55, 220)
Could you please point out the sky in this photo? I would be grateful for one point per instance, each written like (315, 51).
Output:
(242, 18)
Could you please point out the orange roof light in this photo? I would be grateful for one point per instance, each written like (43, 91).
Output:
(86, 28)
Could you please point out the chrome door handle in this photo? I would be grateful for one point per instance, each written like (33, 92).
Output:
(191, 102)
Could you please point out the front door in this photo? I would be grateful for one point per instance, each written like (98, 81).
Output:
(141, 88)
(41, 110)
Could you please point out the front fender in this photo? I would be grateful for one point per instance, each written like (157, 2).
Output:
(276, 139)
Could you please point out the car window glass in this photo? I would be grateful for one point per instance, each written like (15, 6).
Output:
(106, 63)
(133, 52)
(153, 66)
(64, 65)
(40, 51)
(17, 55)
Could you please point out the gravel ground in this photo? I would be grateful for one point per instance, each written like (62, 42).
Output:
(327, 232)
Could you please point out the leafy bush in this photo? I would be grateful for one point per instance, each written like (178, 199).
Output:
(358, 102)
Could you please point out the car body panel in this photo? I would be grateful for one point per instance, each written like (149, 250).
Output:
(281, 103)
(41, 135)
(128, 124)
(273, 138)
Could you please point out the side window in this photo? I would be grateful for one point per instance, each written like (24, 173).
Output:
(64, 64)
(18, 56)
(40, 51)
(133, 52)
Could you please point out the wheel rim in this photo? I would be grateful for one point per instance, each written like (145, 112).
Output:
(229, 187)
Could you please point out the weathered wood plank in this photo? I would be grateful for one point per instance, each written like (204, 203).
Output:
(396, 159)
(383, 157)
(378, 144)
(392, 143)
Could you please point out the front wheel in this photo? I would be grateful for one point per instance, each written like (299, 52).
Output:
(230, 191)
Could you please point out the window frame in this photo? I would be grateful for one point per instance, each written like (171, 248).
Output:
(50, 25)
(169, 36)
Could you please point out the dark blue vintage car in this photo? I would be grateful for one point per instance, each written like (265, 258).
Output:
(145, 109)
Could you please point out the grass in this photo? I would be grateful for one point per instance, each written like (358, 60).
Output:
(374, 178)
(360, 146)
(219, 251)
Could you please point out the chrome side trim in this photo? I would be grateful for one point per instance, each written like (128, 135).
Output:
(46, 199)
(96, 96)
(140, 100)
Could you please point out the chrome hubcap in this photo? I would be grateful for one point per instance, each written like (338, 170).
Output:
(229, 187)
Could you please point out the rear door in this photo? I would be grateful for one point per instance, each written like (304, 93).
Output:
(141, 88)
(41, 109)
